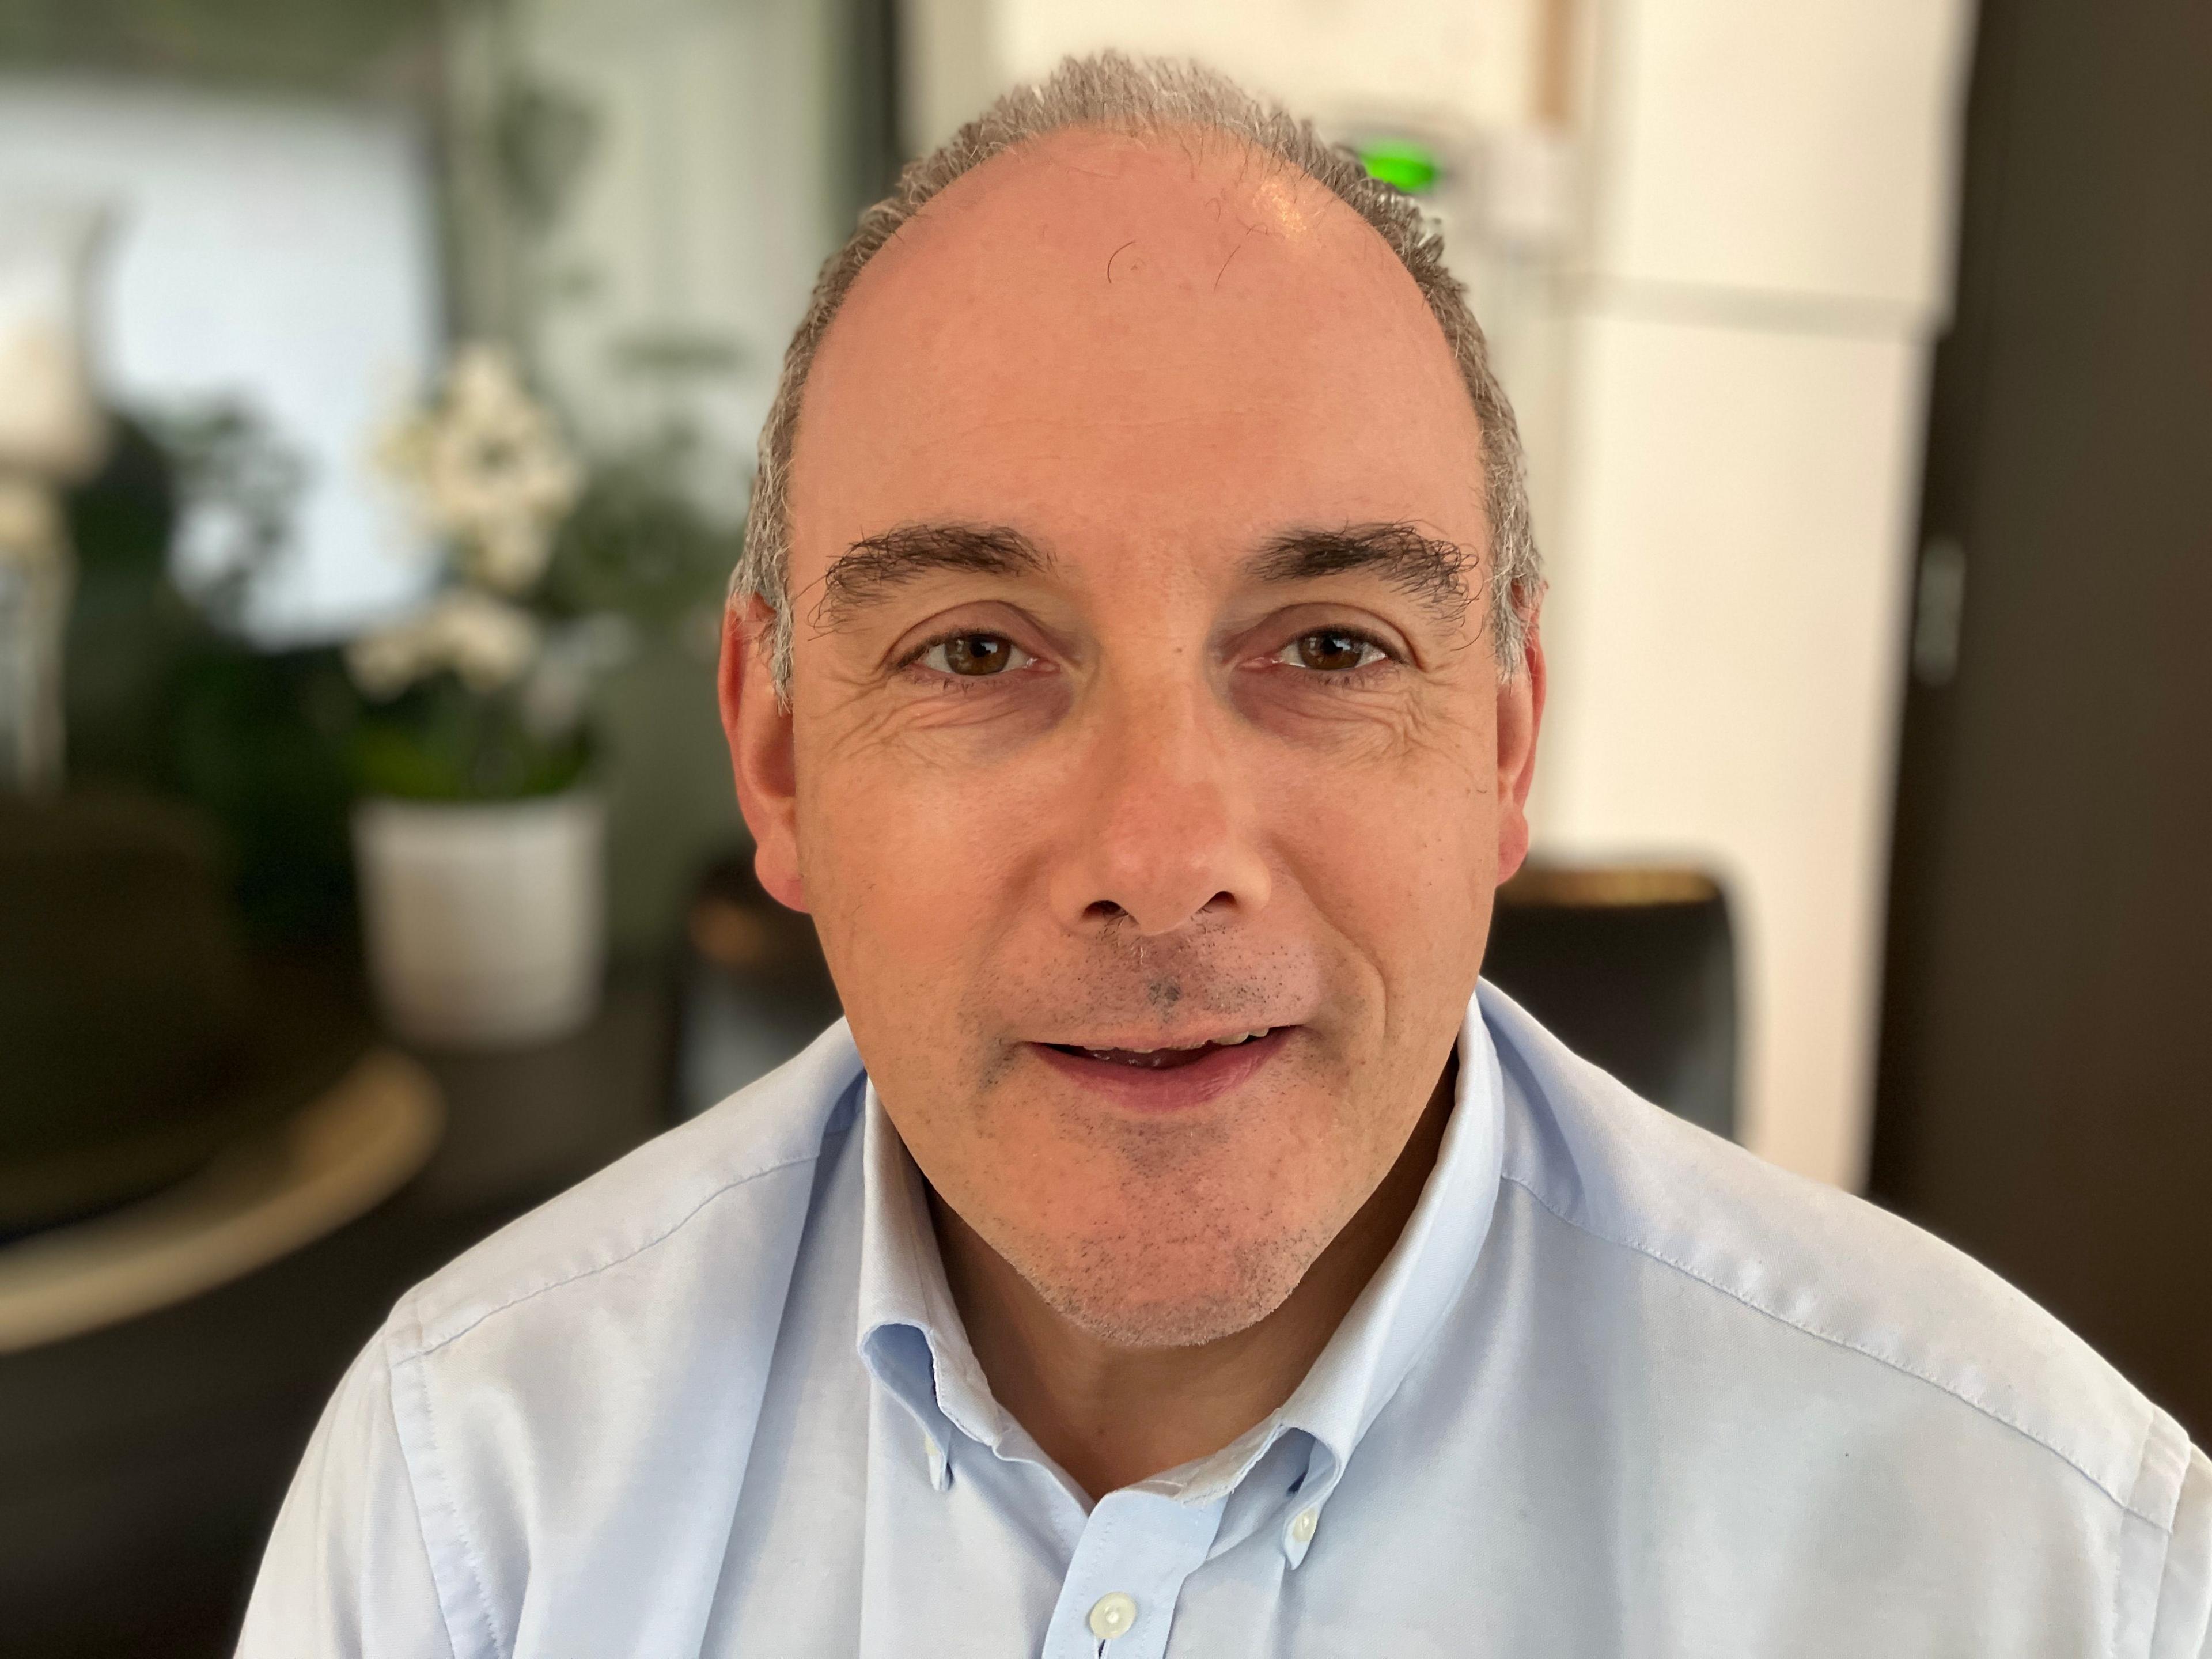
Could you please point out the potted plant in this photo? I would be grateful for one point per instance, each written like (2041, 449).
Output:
(478, 840)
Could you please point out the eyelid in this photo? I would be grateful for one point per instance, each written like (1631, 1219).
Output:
(1368, 637)
(1259, 638)
(995, 616)
(913, 658)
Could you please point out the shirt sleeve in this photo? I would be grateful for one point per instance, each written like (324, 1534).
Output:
(347, 1574)
(2183, 1627)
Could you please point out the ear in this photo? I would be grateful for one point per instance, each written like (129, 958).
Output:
(1520, 716)
(759, 729)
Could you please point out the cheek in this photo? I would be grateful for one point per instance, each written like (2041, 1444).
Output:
(1399, 854)
(912, 871)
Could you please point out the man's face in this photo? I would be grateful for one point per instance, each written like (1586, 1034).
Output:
(1147, 769)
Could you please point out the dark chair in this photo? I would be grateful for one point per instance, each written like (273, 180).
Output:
(752, 987)
(1633, 969)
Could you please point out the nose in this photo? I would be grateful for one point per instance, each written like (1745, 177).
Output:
(1164, 830)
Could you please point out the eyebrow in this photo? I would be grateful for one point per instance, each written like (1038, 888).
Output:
(871, 569)
(1430, 569)
(1427, 569)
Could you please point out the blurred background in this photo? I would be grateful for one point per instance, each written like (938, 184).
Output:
(378, 381)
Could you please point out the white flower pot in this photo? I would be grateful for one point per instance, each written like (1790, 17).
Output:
(485, 924)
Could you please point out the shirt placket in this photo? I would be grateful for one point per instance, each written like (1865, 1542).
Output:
(1118, 1600)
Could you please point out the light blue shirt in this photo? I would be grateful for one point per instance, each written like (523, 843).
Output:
(1620, 1388)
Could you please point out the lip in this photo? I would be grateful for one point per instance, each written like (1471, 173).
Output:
(1178, 1089)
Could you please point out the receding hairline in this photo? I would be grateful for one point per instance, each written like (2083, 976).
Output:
(1355, 237)
(1143, 101)
(1202, 144)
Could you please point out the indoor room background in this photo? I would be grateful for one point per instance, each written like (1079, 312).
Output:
(378, 386)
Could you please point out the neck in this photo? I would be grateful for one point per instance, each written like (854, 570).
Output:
(1112, 1416)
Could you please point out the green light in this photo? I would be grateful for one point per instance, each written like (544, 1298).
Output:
(1401, 164)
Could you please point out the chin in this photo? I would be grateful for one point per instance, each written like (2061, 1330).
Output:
(1130, 1295)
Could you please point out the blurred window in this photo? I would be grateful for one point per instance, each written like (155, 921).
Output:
(272, 253)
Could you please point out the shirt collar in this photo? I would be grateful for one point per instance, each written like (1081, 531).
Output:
(910, 1334)
(911, 1339)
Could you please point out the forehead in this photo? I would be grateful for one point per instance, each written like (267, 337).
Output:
(1120, 343)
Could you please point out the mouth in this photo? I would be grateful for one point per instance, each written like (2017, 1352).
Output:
(1167, 1059)
(1171, 1076)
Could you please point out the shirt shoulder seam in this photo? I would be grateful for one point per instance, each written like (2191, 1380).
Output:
(463, 1542)
(1832, 1340)
(614, 1260)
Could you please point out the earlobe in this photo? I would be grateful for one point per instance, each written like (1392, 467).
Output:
(758, 727)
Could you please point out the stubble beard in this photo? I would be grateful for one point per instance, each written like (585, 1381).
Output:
(1141, 1291)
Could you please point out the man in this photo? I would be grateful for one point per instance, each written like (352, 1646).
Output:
(1134, 669)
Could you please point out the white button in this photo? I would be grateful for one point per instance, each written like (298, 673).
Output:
(1302, 1528)
(940, 1472)
(1111, 1615)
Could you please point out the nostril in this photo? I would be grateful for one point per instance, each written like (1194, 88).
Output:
(1224, 900)
(1103, 910)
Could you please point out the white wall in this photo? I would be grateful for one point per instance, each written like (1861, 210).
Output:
(1729, 574)
(1801, 151)
(1742, 340)
(1458, 62)
(1719, 364)
(274, 251)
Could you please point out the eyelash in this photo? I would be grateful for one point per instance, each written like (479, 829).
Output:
(912, 659)
(1384, 654)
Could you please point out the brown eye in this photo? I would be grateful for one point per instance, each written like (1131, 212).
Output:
(973, 656)
(1330, 650)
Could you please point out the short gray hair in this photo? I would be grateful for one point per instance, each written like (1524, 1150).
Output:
(1142, 97)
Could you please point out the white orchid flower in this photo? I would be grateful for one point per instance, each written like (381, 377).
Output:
(489, 470)
(489, 643)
